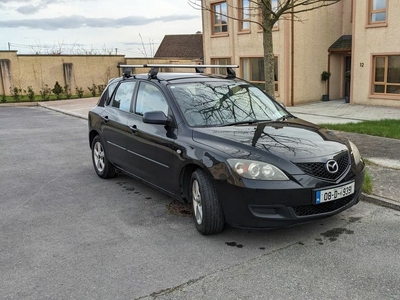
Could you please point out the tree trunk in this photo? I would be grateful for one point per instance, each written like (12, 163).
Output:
(269, 63)
(269, 58)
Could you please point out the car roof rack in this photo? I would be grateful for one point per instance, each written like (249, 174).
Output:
(154, 69)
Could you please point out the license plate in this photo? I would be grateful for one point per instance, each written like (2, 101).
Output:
(334, 193)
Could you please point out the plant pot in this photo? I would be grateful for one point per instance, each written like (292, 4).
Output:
(325, 97)
(347, 99)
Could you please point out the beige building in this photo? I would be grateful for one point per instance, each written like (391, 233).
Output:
(357, 37)
(376, 55)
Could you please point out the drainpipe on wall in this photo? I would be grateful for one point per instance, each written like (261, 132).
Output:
(329, 70)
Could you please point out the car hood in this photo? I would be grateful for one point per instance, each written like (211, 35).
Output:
(294, 140)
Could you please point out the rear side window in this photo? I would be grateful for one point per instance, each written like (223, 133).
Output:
(111, 89)
(123, 96)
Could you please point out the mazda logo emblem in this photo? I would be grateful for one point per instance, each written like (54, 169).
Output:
(332, 166)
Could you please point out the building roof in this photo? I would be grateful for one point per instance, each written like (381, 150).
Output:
(184, 46)
(342, 44)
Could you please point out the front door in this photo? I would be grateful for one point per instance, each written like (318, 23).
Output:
(150, 146)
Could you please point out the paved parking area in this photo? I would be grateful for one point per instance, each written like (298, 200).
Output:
(65, 233)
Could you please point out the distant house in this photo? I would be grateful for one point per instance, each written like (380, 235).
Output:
(181, 46)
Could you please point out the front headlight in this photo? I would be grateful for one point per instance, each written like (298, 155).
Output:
(355, 152)
(256, 170)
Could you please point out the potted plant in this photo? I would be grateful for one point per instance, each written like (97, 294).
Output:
(324, 77)
(347, 81)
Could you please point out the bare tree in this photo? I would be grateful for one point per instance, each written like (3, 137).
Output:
(270, 14)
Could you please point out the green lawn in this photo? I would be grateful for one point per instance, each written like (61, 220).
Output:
(384, 128)
(37, 98)
(367, 186)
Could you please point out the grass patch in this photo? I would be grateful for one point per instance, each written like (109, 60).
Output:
(367, 186)
(37, 98)
(384, 128)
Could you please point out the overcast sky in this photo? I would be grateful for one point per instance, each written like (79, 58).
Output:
(76, 26)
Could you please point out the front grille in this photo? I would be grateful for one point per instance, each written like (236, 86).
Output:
(319, 169)
(315, 209)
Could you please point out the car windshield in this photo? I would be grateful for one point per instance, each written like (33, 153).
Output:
(224, 104)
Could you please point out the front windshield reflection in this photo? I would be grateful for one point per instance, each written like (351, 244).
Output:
(219, 103)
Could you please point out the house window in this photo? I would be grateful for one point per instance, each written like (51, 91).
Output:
(253, 71)
(244, 11)
(386, 78)
(377, 11)
(220, 19)
(220, 61)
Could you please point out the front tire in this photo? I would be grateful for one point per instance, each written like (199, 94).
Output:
(207, 211)
(101, 164)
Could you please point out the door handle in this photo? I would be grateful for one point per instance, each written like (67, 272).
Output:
(134, 128)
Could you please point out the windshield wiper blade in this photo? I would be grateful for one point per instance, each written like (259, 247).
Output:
(245, 122)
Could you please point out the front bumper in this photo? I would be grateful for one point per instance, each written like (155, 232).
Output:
(281, 204)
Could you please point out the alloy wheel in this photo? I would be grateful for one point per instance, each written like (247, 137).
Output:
(196, 201)
(98, 155)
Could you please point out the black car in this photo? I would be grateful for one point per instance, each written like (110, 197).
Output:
(225, 146)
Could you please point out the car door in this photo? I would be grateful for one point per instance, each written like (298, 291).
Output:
(115, 123)
(149, 146)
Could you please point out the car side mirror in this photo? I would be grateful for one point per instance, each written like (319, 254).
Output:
(156, 117)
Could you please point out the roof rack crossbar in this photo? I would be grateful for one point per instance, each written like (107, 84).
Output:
(199, 68)
(154, 69)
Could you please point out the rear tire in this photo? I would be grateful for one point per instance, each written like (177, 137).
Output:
(101, 164)
(207, 211)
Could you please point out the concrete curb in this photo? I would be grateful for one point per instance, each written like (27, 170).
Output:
(65, 112)
(26, 104)
(381, 201)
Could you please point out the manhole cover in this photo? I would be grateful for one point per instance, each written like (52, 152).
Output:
(179, 208)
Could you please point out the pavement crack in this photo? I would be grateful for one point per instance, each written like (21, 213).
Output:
(190, 282)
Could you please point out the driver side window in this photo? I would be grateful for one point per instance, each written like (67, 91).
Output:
(150, 98)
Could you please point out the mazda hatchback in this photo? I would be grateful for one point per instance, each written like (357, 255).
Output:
(224, 146)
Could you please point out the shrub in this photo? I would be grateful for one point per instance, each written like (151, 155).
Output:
(101, 88)
(31, 94)
(325, 75)
(45, 93)
(57, 90)
(79, 92)
(3, 98)
(16, 93)
(93, 89)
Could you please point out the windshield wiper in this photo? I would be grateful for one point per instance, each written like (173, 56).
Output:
(283, 118)
(245, 122)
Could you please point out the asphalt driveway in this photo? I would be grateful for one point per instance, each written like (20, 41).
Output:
(66, 233)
